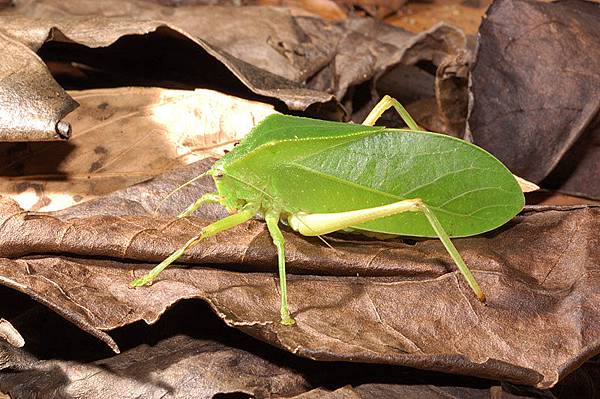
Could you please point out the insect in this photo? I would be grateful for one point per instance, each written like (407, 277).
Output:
(321, 176)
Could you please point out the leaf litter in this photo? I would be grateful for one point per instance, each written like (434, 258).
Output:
(552, 286)
(535, 66)
(122, 136)
(363, 301)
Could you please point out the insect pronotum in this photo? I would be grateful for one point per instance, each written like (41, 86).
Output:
(321, 176)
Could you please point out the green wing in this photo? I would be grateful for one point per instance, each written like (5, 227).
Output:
(469, 190)
(276, 128)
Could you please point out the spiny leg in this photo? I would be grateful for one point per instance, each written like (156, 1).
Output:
(383, 105)
(322, 223)
(208, 198)
(272, 219)
(220, 225)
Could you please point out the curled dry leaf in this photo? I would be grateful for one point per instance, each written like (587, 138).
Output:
(417, 16)
(300, 60)
(248, 53)
(123, 136)
(32, 103)
(10, 334)
(176, 367)
(391, 391)
(535, 90)
(376, 8)
(370, 301)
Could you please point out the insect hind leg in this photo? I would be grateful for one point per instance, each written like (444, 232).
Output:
(452, 251)
(312, 224)
(383, 105)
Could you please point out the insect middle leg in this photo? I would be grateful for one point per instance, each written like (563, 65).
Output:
(272, 219)
(383, 105)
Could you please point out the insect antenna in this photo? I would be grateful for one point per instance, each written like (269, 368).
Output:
(179, 188)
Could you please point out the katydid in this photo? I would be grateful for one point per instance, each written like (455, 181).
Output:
(321, 176)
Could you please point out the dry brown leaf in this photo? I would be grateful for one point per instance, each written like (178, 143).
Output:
(538, 109)
(299, 60)
(370, 301)
(418, 16)
(123, 136)
(327, 9)
(32, 104)
(376, 8)
(177, 367)
(10, 334)
(245, 48)
(395, 391)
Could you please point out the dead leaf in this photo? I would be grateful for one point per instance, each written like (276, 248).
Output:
(32, 103)
(192, 325)
(376, 8)
(417, 16)
(299, 60)
(10, 334)
(177, 367)
(123, 136)
(263, 69)
(535, 92)
(326, 9)
(393, 391)
(370, 301)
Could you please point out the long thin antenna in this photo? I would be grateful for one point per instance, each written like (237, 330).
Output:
(179, 188)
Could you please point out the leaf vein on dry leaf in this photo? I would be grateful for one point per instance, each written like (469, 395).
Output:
(375, 256)
(111, 121)
(124, 152)
(561, 255)
(69, 226)
(388, 327)
(64, 293)
(514, 40)
(5, 221)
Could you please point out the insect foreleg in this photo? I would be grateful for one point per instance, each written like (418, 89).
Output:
(208, 198)
(383, 105)
(220, 225)
(454, 254)
(272, 219)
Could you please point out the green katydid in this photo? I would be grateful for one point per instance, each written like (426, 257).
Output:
(321, 176)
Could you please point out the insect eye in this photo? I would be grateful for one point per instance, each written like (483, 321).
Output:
(218, 175)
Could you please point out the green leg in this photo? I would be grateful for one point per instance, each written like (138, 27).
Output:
(383, 105)
(220, 225)
(272, 219)
(209, 198)
(443, 236)
(323, 223)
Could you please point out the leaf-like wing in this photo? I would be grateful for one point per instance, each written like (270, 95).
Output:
(277, 128)
(469, 190)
